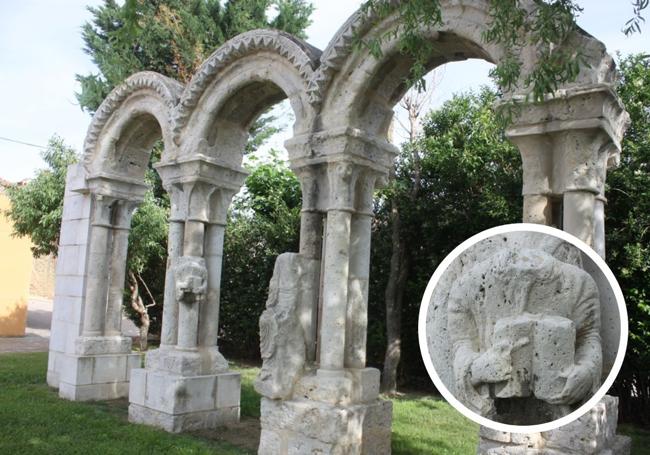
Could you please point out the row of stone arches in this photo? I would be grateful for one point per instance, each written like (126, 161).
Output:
(314, 328)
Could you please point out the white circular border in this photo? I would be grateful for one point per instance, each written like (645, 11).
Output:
(442, 268)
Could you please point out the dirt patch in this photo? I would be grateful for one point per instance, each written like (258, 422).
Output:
(245, 434)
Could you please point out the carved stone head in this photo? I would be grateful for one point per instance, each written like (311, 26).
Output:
(191, 278)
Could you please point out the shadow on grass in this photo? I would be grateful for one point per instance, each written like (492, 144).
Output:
(34, 420)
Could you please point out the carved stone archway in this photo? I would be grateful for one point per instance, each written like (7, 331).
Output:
(318, 394)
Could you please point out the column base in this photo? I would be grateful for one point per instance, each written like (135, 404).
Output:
(178, 403)
(307, 426)
(592, 434)
(92, 377)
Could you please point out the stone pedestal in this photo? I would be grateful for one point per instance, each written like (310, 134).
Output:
(307, 426)
(178, 392)
(96, 377)
(329, 413)
(98, 369)
(592, 434)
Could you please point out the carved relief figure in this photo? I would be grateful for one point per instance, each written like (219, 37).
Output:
(282, 342)
(191, 278)
(525, 332)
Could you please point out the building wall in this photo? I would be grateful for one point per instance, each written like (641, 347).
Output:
(41, 285)
(15, 275)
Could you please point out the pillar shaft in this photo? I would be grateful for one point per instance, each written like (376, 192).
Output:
(538, 209)
(357, 311)
(209, 318)
(194, 238)
(599, 226)
(118, 275)
(579, 211)
(170, 307)
(311, 233)
(335, 290)
(98, 269)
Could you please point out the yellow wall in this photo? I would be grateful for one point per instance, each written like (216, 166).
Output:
(15, 272)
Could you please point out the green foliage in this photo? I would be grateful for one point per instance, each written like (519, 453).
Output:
(512, 26)
(628, 234)
(172, 37)
(471, 180)
(37, 207)
(263, 223)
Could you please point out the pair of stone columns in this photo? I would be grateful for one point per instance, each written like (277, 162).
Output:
(567, 144)
(89, 358)
(331, 404)
(186, 384)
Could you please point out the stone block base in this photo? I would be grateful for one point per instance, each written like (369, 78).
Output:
(184, 403)
(92, 377)
(592, 434)
(296, 427)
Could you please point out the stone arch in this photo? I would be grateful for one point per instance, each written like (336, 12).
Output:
(128, 123)
(360, 90)
(239, 81)
(563, 183)
(89, 357)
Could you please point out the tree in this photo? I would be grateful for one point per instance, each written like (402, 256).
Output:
(263, 223)
(174, 37)
(628, 236)
(413, 103)
(37, 207)
(459, 177)
(171, 37)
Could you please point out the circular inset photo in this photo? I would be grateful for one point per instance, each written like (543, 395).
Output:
(523, 328)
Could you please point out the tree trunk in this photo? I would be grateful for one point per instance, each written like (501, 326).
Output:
(143, 310)
(393, 301)
(400, 260)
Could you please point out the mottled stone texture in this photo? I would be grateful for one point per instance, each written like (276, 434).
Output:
(314, 328)
(592, 434)
(306, 427)
(546, 317)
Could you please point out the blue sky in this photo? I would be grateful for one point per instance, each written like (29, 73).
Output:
(41, 51)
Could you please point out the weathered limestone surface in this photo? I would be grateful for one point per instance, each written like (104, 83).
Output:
(86, 365)
(314, 328)
(544, 329)
(592, 434)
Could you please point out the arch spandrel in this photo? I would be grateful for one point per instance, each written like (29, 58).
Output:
(133, 117)
(237, 83)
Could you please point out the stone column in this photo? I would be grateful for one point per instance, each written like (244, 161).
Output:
(583, 160)
(193, 246)
(599, 225)
(311, 248)
(579, 214)
(586, 125)
(336, 270)
(169, 334)
(357, 312)
(214, 236)
(537, 162)
(123, 210)
(99, 259)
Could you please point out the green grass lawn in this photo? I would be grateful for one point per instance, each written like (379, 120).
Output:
(34, 420)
